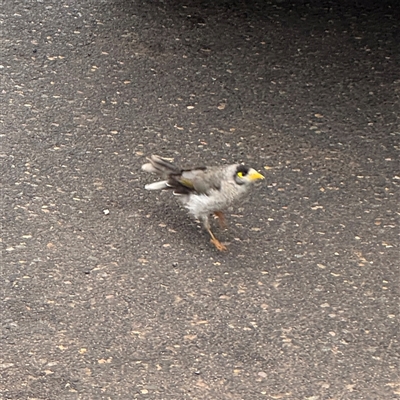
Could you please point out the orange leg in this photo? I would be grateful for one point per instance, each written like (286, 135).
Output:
(221, 219)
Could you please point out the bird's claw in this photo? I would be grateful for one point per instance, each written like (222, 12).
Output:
(218, 245)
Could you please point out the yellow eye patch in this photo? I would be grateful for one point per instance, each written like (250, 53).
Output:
(240, 174)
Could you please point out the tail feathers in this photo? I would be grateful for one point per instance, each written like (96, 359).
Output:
(160, 167)
(157, 185)
(149, 168)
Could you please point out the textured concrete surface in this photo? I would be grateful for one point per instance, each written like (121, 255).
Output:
(111, 292)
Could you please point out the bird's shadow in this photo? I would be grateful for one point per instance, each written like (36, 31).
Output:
(176, 218)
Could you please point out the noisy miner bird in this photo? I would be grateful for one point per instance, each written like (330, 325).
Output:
(205, 190)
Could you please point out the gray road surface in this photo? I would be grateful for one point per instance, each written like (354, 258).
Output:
(134, 302)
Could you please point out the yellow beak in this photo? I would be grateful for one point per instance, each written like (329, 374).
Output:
(254, 175)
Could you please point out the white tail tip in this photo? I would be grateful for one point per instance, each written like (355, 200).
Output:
(156, 185)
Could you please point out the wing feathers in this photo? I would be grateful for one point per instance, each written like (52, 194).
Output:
(199, 180)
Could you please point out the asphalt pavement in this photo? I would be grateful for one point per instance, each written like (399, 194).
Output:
(112, 292)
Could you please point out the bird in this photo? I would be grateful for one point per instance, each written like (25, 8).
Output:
(203, 191)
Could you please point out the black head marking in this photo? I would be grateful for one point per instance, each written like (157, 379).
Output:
(241, 171)
(242, 168)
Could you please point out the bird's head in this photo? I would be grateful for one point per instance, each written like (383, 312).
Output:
(245, 175)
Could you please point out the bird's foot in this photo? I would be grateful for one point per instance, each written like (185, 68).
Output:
(221, 219)
(218, 244)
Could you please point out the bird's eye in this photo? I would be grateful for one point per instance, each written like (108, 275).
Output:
(240, 174)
